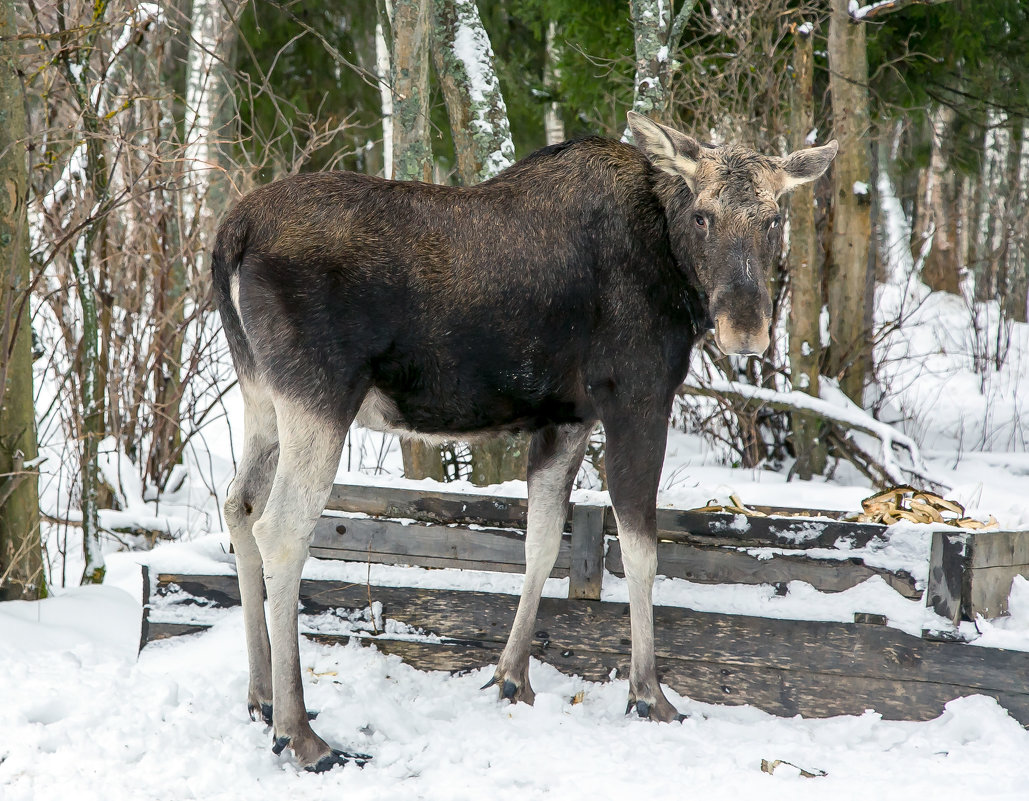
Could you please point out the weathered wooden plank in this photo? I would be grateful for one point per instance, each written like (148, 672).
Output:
(162, 631)
(784, 532)
(728, 566)
(839, 649)
(779, 692)
(999, 548)
(586, 572)
(988, 589)
(491, 510)
(427, 545)
(429, 506)
(948, 568)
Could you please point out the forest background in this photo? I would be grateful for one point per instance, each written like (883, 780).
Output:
(129, 129)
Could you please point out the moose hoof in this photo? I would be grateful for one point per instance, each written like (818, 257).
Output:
(260, 711)
(338, 757)
(659, 709)
(312, 753)
(511, 690)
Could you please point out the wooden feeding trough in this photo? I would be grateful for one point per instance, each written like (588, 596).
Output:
(785, 667)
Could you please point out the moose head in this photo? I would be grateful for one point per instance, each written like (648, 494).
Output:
(722, 206)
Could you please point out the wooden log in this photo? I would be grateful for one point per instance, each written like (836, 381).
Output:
(995, 558)
(746, 530)
(785, 667)
(948, 565)
(162, 631)
(776, 691)
(429, 506)
(821, 530)
(842, 649)
(709, 565)
(587, 554)
(426, 545)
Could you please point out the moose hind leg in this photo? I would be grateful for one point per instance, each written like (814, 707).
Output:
(309, 450)
(245, 504)
(555, 454)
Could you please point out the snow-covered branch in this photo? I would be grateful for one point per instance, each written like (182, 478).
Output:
(835, 408)
(860, 13)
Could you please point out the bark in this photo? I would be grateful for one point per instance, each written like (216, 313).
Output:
(656, 39)
(805, 271)
(1016, 298)
(409, 80)
(463, 58)
(171, 285)
(850, 280)
(553, 123)
(21, 556)
(91, 394)
(938, 212)
(210, 115)
(382, 73)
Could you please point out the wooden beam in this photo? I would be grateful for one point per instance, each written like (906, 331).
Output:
(586, 573)
(784, 666)
(844, 649)
(427, 545)
(948, 565)
(713, 565)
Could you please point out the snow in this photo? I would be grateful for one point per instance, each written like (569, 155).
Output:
(860, 188)
(89, 721)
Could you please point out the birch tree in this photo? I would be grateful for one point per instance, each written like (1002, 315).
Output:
(463, 57)
(656, 38)
(21, 562)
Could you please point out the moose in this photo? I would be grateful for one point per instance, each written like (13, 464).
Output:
(568, 290)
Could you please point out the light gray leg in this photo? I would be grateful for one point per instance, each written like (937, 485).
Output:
(554, 458)
(309, 451)
(245, 504)
(635, 449)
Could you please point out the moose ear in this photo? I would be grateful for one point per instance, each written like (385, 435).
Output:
(803, 166)
(665, 148)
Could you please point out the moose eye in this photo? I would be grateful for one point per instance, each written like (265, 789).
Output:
(700, 220)
(775, 223)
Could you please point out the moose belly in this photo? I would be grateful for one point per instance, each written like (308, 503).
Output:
(438, 419)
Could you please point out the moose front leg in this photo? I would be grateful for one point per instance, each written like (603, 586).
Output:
(635, 452)
(555, 454)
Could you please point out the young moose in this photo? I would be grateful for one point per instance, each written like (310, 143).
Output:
(567, 290)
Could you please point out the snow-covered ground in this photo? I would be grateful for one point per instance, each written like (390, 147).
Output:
(83, 718)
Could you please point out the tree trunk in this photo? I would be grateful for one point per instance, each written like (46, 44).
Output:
(941, 269)
(805, 272)
(21, 555)
(850, 281)
(382, 73)
(1016, 299)
(409, 80)
(463, 58)
(650, 23)
(553, 124)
